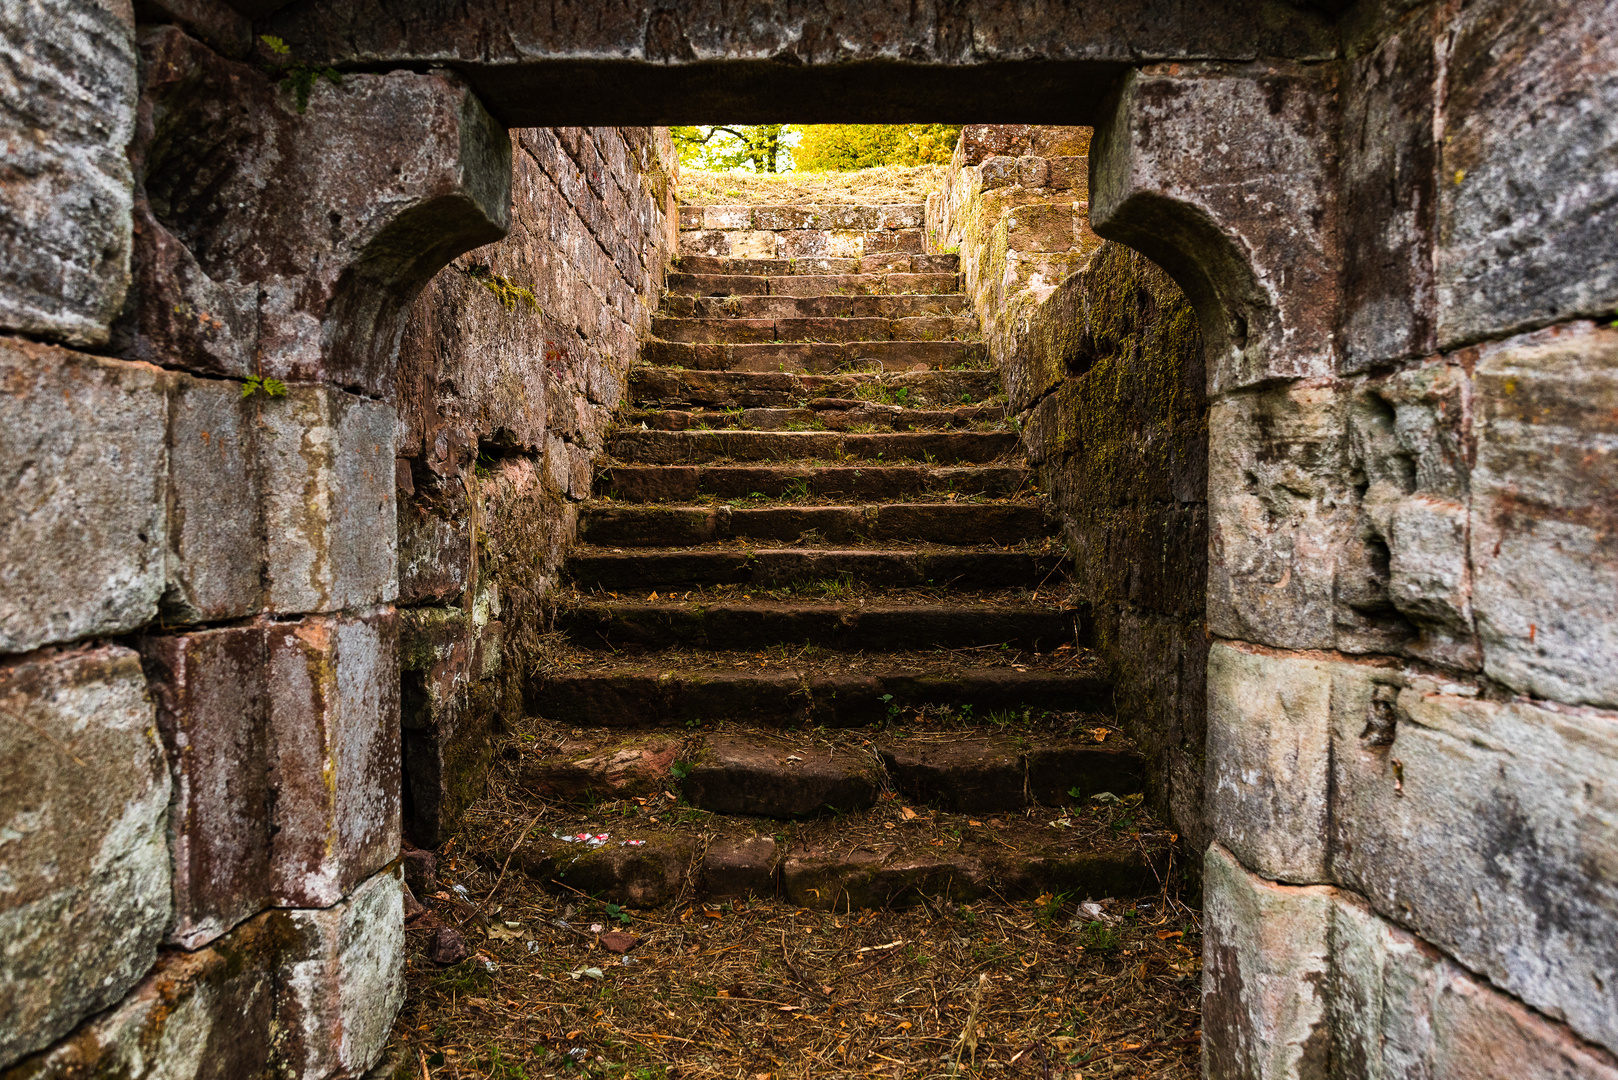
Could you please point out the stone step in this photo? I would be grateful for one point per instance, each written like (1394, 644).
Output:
(816, 357)
(681, 483)
(885, 263)
(625, 695)
(847, 868)
(696, 447)
(751, 331)
(765, 389)
(815, 307)
(821, 414)
(796, 217)
(811, 284)
(645, 569)
(790, 244)
(662, 525)
(869, 627)
(787, 776)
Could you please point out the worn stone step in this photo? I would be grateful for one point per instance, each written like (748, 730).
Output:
(764, 389)
(694, 447)
(871, 627)
(811, 284)
(994, 773)
(931, 523)
(822, 414)
(738, 330)
(644, 695)
(796, 217)
(594, 567)
(682, 483)
(650, 867)
(816, 357)
(884, 263)
(779, 777)
(815, 307)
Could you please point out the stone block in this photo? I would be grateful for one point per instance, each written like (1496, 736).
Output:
(1269, 757)
(1224, 176)
(328, 480)
(739, 869)
(215, 540)
(204, 1015)
(754, 245)
(1388, 174)
(334, 727)
(1265, 975)
(729, 217)
(435, 539)
(82, 521)
(342, 980)
(1279, 512)
(1528, 174)
(84, 794)
(213, 702)
(69, 94)
(1486, 827)
(330, 218)
(1543, 515)
(1401, 1010)
(1043, 227)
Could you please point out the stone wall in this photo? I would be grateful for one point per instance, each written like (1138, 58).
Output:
(235, 507)
(1101, 359)
(1014, 206)
(1411, 711)
(512, 363)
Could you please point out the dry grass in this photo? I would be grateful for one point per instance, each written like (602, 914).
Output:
(766, 989)
(884, 185)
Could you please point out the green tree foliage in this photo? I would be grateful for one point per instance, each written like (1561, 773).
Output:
(845, 147)
(761, 148)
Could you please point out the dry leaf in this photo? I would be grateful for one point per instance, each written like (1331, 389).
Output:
(1169, 935)
(909, 814)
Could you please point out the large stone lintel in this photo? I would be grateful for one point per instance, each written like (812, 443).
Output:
(856, 62)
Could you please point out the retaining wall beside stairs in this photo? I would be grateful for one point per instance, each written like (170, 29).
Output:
(1101, 358)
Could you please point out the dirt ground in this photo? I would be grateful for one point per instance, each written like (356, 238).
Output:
(1057, 987)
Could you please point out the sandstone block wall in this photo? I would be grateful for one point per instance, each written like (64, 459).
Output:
(1102, 362)
(257, 557)
(512, 362)
(1014, 206)
(1410, 719)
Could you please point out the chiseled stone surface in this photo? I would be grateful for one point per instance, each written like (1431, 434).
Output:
(328, 483)
(1401, 1011)
(82, 518)
(1340, 515)
(318, 226)
(1266, 975)
(1279, 510)
(307, 994)
(67, 111)
(334, 726)
(1489, 827)
(1543, 513)
(1222, 175)
(1270, 728)
(84, 859)
(212, 693)
(1388, 162)
(215, 537)
(204, 1015)
(342, 980)
(1528, 175)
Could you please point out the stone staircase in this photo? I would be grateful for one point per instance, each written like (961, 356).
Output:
(817, 644)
